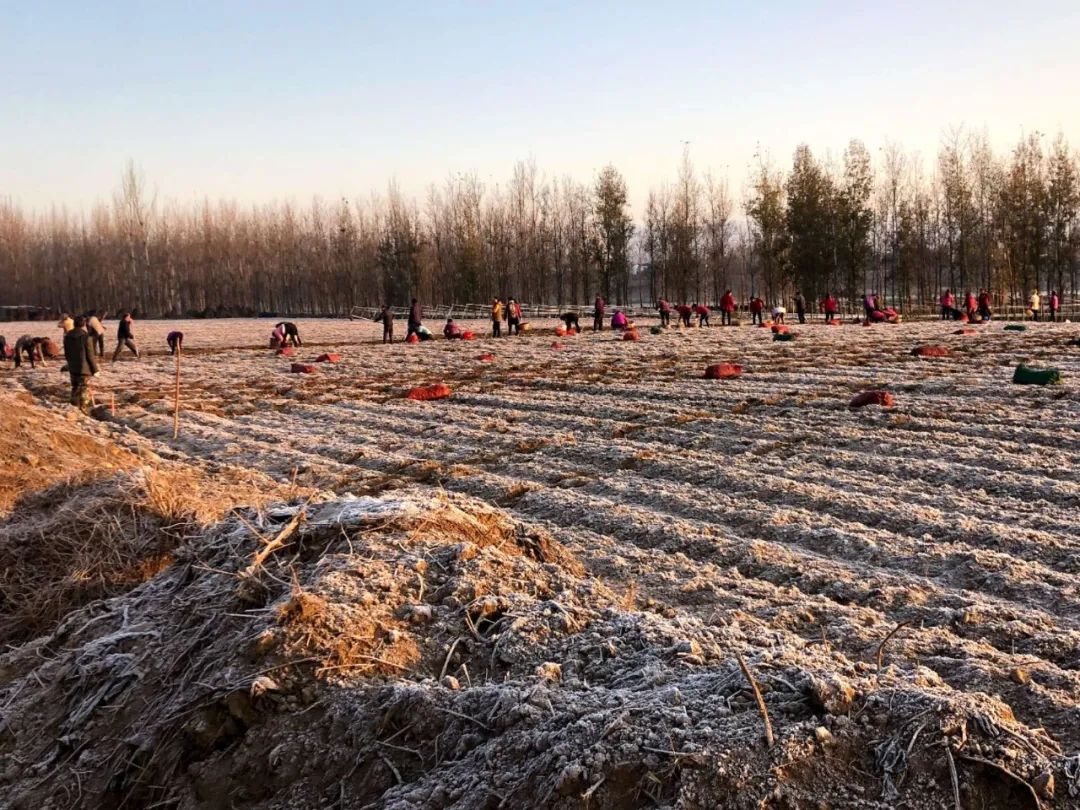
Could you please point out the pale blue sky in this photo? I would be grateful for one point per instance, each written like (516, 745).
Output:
(269, 100)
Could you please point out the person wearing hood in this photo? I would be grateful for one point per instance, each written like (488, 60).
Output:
(513, 317)
(81, 363)
(598, 314)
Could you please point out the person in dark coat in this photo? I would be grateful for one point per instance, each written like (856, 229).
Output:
(81, 363)
(598, 314)
(800, 307)
(125, 337)
(571, 321)
(292, 334)
(664, 308)
(386, 316)
(3, 348)
(416, 317)
(175, 341)
(30, 346)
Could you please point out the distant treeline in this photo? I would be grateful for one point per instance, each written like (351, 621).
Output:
(976, 219)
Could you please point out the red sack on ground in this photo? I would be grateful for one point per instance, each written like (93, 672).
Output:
(468, 336)
(285, 352)
(882, 398)
(413, 338)
(966, 332)
(631, 334)
(557, 347)
(779, 329)
(426, 393)
(963, 317)
(723, 371)
(328, 358)
(835, 323)
(302, 368)
(485, 358)
(571, 332)
(930, 351)
(560, 331)
(867, 322)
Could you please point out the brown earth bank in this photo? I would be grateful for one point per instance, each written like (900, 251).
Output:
(590, 579)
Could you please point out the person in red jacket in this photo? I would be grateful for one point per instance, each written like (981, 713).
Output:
(452, 331)
(1055, 304)
(984, 305)
(513, 317)
(757, 309)
(702, 315)
(684, 314)
(948, 304)
(664, 308)
(727, 306)
(971, 306)
(598, 314)
(829, 307)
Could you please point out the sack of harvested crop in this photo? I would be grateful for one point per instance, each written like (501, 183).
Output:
(328, 358)
(723, 371)
(286, 351)
(467, 335)
(966, 331)
(413, 338)
(930, 351)
(1026, 375)
(525, 327)
(485, 358)
(560, 331)
(655, 330)
(882, 398)
(302, 368)
(778, 328)
(1074, 342)
(426, 393)
(1015, 327)
(631, 334)
(784, 336)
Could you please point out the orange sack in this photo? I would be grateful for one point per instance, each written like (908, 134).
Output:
(930, 351)
(467, 335)
(413, 338)
(328, 358)
(287, 351)
(723, 371)
(631, 334)
(882, 398)
(425, 393)
(485, 358)
(302, 368)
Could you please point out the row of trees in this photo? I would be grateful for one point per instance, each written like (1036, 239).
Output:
(1008, 223)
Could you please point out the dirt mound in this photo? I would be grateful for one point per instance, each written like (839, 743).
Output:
(420, 650)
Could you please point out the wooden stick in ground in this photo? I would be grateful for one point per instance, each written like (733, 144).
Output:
(881, 647)
(176, 398)
(112, 403)
(760, 701)
(953, 777)
(278, 541)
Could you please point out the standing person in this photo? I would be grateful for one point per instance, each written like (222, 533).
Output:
(664, 308)
(513, 317)
(598, 314)
(879, 303)
(868, 305)
(415, 319)
(125, 337)
(970, 305)
(3, 348)
(175, 341)
(800, 306)
(66, 323)
(96, 330)
(757, 307)
(727, 306)
(81, 363)
(948, 303)
(496, 317)
(386, 315)
(1054, 305)
(830, 307)
(984, 305)
(1033, 304)
(702, 315)
(292, 334)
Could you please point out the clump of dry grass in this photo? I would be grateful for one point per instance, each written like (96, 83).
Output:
(91, 537)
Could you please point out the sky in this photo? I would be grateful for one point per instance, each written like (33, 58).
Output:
(269, 101)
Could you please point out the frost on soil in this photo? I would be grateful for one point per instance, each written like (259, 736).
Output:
(538, 593)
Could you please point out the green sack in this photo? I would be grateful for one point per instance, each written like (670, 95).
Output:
(1025, 375)
(1074, 342)
(785, 336)
(1015, 327)
(655, 330)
